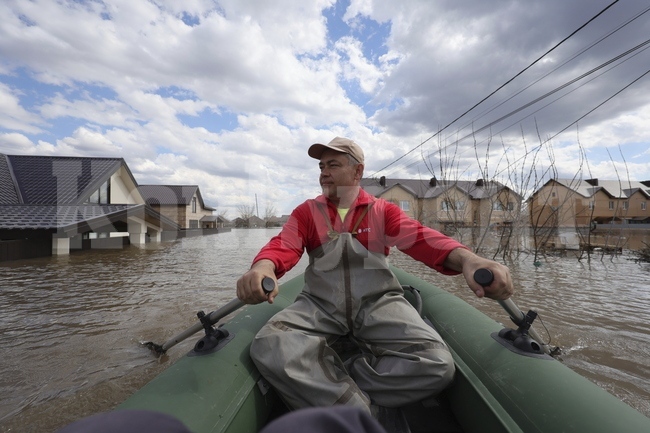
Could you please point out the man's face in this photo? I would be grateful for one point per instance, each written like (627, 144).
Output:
(336, 173)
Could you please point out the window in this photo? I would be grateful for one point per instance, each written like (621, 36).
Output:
(511, 206)
(592, 205)
(611, 205)
(194, 224)
(643, 205)
(626, 205)
(194, 205)
(452, 205)
(405, 205)
(497, 205)
(102, 195)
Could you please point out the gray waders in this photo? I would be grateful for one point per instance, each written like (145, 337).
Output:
(350, 291)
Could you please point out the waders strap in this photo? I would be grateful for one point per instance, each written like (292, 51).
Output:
(333, 234)
(361, 217)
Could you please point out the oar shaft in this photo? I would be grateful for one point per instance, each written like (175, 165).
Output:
(513, 310)
(268, 285)
(214, 317)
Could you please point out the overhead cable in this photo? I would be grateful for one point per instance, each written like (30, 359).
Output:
(500, 87)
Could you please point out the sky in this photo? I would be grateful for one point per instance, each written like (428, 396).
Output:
(229, 94)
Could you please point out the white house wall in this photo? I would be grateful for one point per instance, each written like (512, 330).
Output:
(123, 191)
(200, 212)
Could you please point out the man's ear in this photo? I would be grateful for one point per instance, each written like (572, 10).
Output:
(358, 174)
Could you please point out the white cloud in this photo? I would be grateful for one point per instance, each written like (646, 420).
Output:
(357, 67)
(15, 143)
(87, 142)
(13, 116)
(229, 94)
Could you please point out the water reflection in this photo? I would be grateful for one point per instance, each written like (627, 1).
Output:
(71, 327)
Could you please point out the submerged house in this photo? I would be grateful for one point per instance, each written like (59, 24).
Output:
(50, 205)
(579, 203)
(180, 203)
(443, 203)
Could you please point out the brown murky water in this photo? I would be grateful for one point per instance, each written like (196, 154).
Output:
(71, 328)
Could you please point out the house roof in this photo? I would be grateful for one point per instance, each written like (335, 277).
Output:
(415, 186)
(51, 193)
(8, 193)
(171, 195)
(52, 217)
(428, 189)
(70, 218)
(213, 218)
(613, 188)
(54, 179)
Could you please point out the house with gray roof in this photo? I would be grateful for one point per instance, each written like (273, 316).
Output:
(443, 203)
(575, 203)
(72, 202)
(182, 204)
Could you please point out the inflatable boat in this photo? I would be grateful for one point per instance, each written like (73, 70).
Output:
(505, 380)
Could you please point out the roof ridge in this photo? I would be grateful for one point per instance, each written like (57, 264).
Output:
(65, 156)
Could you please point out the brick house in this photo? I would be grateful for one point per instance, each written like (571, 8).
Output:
(180, 203)
(568, 203)
(440, 203)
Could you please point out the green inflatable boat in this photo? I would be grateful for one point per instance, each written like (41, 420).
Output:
(505, 382)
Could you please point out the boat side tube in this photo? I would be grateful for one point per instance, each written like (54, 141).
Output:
(500, 390)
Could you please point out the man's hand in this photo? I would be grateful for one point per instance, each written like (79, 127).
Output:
(249, 286)
(467, 262)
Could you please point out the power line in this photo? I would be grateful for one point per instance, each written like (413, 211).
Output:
(565, 63)
(557, 89)
(563, 86)
(499, 88)
(534, 149)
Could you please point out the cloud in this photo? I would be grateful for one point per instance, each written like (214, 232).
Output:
(87, 142)
(229, 94)
(13, 116)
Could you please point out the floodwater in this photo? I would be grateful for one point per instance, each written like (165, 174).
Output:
(71, 327)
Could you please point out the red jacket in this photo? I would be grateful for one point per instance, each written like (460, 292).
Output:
(385, 226)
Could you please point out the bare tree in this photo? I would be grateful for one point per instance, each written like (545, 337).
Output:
(523, 206)
(245, 213)
(269, 215)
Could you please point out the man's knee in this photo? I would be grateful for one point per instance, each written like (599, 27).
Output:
(449, 368)
(441, 370)
(269, 352)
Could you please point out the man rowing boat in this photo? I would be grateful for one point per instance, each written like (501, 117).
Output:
(350, 291)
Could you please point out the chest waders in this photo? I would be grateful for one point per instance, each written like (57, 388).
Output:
(350, 291)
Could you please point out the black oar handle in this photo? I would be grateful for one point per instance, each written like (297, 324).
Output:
(484, 277)
(268, 285)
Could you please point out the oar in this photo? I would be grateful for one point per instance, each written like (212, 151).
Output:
(485, 277)
(267, 285)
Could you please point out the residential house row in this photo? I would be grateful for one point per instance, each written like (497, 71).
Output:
(442, 204)
(63, 203)
(559, 203)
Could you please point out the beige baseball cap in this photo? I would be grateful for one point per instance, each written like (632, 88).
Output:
(339, 144)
